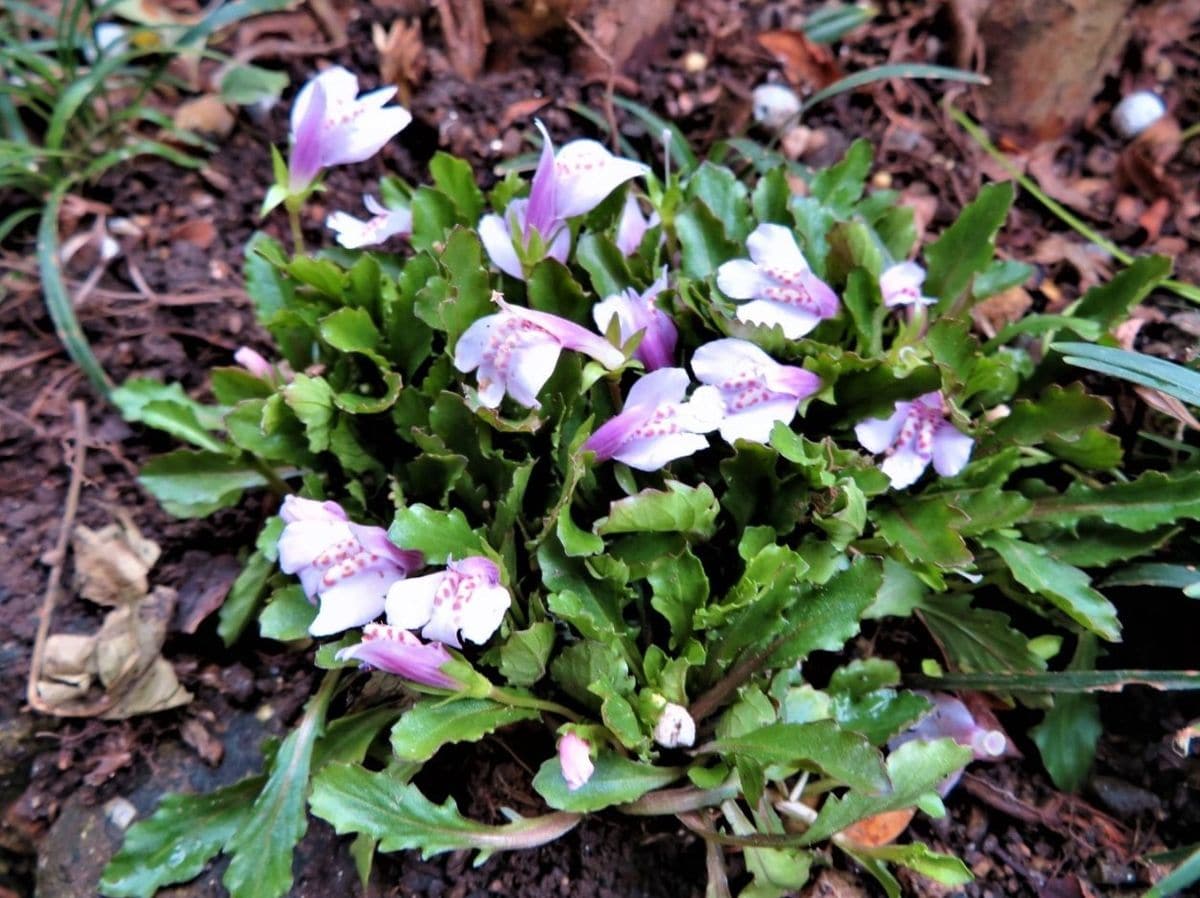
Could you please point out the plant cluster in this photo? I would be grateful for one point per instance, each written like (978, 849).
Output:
(626, 454)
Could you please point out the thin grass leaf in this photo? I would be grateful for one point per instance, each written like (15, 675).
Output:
(1187, 873)
(894, 70)
(1167, 377)
(677, 145)
(141, 148)
(834, 22)
(14, 219)
(58, 299)
(1066, 681)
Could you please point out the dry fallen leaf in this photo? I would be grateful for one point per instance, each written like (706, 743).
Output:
(880, 829)
(204, 115)
(112, 563)
(805, 64)
(402, 59)
(995, 313)
(464, 29)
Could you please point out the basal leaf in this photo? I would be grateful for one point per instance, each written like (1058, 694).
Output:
(1141, 505)
(395, 813)
(943, 868)
(1067, 736)
(616, 780)
(1109, 304)
(1060, 412)
(604, 263)
(176, 842)
(702, 241)
(1066, 587)
(976, 639)
(455, 179)
(439, 534)
(725, 196)
(525, 653)
(167, 408)
(194, 484)
(967, 246)
(914, 769)
(680, 508)
(311, 399)
(431, 723)
(926, 530)
(841, 185)
(288, 615)
(844, 755)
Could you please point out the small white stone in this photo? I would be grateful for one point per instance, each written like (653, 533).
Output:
(1137, 112)
(120, 812)
(775, 105)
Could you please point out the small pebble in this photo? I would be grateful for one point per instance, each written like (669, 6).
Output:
(120, 812)
(775, 105)
(1137, 112)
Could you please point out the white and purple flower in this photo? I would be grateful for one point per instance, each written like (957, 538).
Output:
(348, 567)
(253, 362)
(779, 283)
(636, 312)
(516, 350)
(657, 426)
(354, 233)
(900, 285)
(575, 759)
(916, 434)
(466, 597)
(332, 125)
(566, 184)
(951, 719)
(757, 390)
(396, 651)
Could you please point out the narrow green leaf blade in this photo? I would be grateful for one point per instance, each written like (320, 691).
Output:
(428, 725)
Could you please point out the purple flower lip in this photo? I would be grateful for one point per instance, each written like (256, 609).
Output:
(466, 597)
(900, 285)
(396, 651)
(915, 435)
(637, 313)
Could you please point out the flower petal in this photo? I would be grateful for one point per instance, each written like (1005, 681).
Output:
(901, 285)
(741, 279)
(304, 540)
(365, 136)
(497, 239)
(877, 434)
(542, 213)
(666, 385)
(631, 227)
(307, 134)
(336, 85)
(904, 466)
(570, 335)
(793, 320)
(297, 508)
(468, 352)
(575, 761)
(398, 652)
(756, 422)
(774, 246)
(409, 603)
(651, 453)
(585, 173)
(352, 602)
(951, 449)
(531, 366)
(482, 618)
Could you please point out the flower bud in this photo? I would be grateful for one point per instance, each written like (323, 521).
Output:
(575, 759)
(675, 727)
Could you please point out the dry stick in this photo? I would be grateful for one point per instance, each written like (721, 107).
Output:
(610, 83)
(53, 584)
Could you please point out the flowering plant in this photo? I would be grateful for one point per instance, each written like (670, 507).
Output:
(630, 487)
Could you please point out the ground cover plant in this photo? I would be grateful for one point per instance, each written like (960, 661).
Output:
(646, 442)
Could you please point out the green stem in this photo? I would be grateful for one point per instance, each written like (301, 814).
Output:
(679, 801)
(293, 211)
(517, 700)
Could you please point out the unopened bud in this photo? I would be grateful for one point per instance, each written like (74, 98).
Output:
(675, 727)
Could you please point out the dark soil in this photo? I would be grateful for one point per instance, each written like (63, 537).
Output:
(172, 307)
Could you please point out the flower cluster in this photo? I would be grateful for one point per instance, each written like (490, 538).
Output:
(356, 574)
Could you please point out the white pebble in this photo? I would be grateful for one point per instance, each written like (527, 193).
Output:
(775, 105)
(120, 812)
(1137, 112)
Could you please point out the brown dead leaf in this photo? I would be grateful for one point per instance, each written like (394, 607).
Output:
(881, 829)
(200, 232)
(206, 745)
(995, 313)
(112, 563)
(620, 36)
(1092, 263)
(522, 110)
(465, 32)
(1081, 194)
(402, 60)
(805, 64)
(1142, 166)
(204, 115)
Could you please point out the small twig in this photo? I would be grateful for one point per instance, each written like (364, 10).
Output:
(54, 583)
(610, 112)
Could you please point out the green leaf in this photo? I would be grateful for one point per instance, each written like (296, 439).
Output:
(680, 587)
(1154, 499)
(456, 180)
(825, 616)
(677, 146)
(288, 615)
(1000, 275)
(311, 399)
(926, 530)
(684, 509)
(1064, 681)
(841, 185)
(260, 864)
(174, 844)
(724, 195)
(431, 723)
(616, 780)
(167, 408)
(1164, 576)
(395, 813)
(1109, 304)
(195, 484)
(441, 535)
(350, 330)
(702, 241)
(976, 639)
(433, 214)
(604, 263)
(524, 654)
(1066, 587)
(833, 22)
(1061, 412)
(1139, 368)
(771, 198)
(1184, 875)
(239, 606)
(914, 769)
(1067, 736)
(967, 246)
(844, 755)
(943, 868)
(469, 295)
